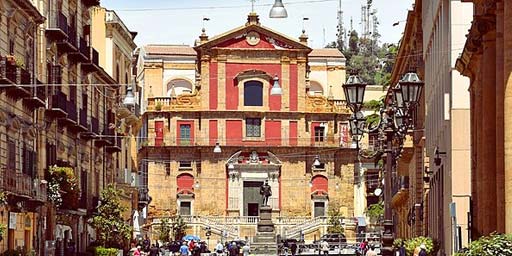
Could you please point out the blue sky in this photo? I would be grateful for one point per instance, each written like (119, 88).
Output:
(180, 22)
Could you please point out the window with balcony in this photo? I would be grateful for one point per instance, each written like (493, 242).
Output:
(159, 133)
(253, 127)
(185, 137)
(253, 93)
(319, 134)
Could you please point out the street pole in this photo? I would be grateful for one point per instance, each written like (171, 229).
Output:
(388, 236)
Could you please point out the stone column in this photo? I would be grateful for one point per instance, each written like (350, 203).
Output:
(488, 118)
(500, 174)
(507, 53)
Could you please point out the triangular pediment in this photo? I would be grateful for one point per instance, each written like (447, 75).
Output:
(253, 36)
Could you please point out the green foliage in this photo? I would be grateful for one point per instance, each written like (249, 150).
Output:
(158, 106)
(413, 243)
(102, 251)
(165, 230)
(111, 229)
(11, 252)
(494, 244)
(374, 211)
(335, 216)
(3, 228)
(178, 228)
(63, 187)
(3, 198)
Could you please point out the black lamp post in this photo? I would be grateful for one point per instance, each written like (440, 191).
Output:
(395, 120)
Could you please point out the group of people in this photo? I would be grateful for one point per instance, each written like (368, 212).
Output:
(418, 251)
(189, 248)
(289, 248)
(232, 249)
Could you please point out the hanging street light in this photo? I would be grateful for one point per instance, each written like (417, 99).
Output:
(129, 99)
(276, 89)
(278, 10)
(354, 92)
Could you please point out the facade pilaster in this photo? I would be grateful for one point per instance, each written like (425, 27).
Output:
(507, 106)
(500, 161)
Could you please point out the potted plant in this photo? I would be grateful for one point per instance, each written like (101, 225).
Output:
(158, 106)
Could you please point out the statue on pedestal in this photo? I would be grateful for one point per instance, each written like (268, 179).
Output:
(265, 192)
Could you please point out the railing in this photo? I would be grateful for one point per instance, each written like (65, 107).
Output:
(8, 69)
(181, 102)
(59, 21)
(17, 183)
(25, 77)
(94, 56)
(72, 36)
(59, 101)
(39, 91)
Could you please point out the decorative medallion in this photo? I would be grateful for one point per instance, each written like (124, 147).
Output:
(253, 38)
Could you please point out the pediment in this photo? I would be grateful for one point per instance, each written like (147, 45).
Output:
(253, 36)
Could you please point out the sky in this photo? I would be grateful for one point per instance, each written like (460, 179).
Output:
(181, 21)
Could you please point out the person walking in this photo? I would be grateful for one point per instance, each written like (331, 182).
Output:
(246, 249)
(234, 250)
(423, 250)
(325, 247)
(219, 248)
(371, 251)
(401, 250)
(184, 249)
(293, 248)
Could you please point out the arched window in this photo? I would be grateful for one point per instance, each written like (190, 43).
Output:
(253, 93)
(185, 182)
(178, 86)
(319, 183)
(316, 89)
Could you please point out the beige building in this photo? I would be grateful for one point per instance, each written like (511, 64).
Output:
(447, 122)
(486, 61)
(218, 93)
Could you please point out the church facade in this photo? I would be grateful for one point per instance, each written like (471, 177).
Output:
(238, 109)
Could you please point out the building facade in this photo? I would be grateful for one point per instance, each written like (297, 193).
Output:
(486, 61)
(409, 188)
(215, 132)
(446, 122)
(59, 109)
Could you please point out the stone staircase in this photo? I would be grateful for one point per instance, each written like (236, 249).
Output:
(304, 227)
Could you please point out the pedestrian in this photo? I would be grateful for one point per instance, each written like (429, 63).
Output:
(234, 250)
(325, 247)
(153, 250)
(371, 251)
(423, 250)
(285, 247)
(246, 249)
(184, 249)
(136, 252)
(219, 248)
(293, 248)
(401, 250)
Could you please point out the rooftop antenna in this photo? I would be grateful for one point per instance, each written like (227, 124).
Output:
(342, 35)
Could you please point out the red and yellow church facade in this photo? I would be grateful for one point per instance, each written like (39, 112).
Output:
(215, 129)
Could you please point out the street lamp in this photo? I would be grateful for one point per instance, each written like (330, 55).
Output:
(395, 120)
(129, 99)
(278, 10)
(276, 89)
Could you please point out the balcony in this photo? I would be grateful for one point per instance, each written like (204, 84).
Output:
(82, 123)
(37, 98)
(58, 105)
(22, 185)
(89, 3)
(105, 138)
(68, 45)
(322, 104)
(115, 145)
(71, 118)
(16, 80)
(83, 53)
(93, 64)
(57, 26)
(181, 102)
(144, 198)
(92, 128)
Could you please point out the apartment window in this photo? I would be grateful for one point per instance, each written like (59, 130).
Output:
(185, 134)
(319, 134)
(253, 127)
(185, 164)
(11, 155)
(253, 93)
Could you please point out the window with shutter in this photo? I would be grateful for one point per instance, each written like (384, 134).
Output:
(253, 127)
(11, 155)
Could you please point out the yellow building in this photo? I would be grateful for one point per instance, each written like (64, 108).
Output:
(219, 96)
(23, 190)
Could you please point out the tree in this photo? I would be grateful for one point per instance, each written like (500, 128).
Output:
(374, 211)
(178, 228)
(335, 216)
(164, 232)
(111, 229)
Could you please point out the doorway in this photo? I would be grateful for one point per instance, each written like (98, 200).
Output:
(319, 209)
(252, 198)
